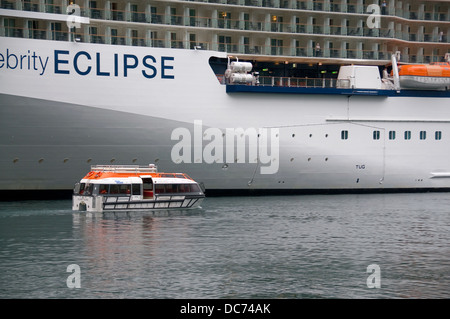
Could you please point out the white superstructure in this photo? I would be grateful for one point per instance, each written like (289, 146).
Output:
(66, 105)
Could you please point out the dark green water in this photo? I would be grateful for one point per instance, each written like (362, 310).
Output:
(233, 247)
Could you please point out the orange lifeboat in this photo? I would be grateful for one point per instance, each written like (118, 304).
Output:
(425, 76)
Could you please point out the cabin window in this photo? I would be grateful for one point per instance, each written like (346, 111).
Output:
(407, 135)
(136, 189)
(176, 188)
(104, 189)
(376, 135)
(172, 175)
(81, 190)
(159, 188)
(423, 135)
(170, 188)
(194, 188)
(114, 189)
(86, 189)
(392, 135)
(125, 189)
(76, 189)
(438, 135)
(344, 135)
(120, 189)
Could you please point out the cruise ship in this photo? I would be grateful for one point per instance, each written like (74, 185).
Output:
(244, 96)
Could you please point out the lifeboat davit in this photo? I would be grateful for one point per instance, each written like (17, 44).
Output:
(433, 76)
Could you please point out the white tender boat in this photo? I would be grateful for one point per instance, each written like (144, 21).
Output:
(133, 187)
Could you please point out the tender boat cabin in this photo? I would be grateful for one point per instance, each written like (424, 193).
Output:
(133, 187)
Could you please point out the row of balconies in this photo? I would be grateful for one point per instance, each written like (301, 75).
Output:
(403, 9)
(101, 8)
(300, 47)
(346, 26)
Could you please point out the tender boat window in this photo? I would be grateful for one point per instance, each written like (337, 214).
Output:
(159, 188)
(120, 189)
(172, 175)
(86, 189)
(76, 189)
(136, 189)
(176, 188)
(104, 189)
(194, 188)
(81, 188)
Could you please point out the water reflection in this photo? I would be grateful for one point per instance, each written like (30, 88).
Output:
(126, 253)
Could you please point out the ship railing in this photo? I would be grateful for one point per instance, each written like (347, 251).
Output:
(297, 82)
(135, 12)
(278, 81)
(124, 168)
(140, 14)
(166, 201)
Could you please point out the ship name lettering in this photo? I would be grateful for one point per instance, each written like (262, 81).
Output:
(83, 63)
(29, 61)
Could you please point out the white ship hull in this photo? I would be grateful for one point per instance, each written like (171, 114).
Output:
(56, 122)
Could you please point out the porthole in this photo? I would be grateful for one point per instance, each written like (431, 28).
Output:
(392, 135)
(407, 135)
(423, 135)
(376, 135)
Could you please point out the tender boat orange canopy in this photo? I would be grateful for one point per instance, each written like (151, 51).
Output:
(96, 174)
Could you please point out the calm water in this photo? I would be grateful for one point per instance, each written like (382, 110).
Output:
(236, 247)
